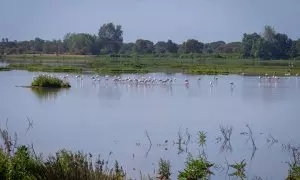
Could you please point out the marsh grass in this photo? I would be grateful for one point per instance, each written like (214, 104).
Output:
(185, 63)
(294, 164)
(45, 68)
(164, 170)
(21, 162)
(5, 69)
(49, 82)
(202, 138)
(196, 168)
(239, 169)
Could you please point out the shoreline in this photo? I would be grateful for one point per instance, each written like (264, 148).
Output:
(147, 64)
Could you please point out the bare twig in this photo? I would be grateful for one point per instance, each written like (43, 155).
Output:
(271, 140)
(150, 143)
(148, 137)
(226, 132)
(227, 165)
(30, 124)
(252, 140)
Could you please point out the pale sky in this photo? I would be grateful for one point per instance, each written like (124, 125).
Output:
(155, 20)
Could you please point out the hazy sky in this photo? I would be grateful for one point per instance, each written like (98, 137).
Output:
(205, 20)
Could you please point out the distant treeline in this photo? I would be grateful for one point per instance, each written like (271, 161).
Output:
(109, 40)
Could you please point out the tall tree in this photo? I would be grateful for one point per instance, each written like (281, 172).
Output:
(127, 48)
(171, 47)
(160, 47)
(192, 46)
(38, 45)
(143, 46)
(248, 49)
(80, 43)
(111, 37)
(269, 34)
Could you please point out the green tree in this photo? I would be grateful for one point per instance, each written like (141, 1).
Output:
(214, 46)
(248, 43)
(127, 48)
(281, 46)
(269, 34)
(110, 37)
(38, 45)
(293, 50)
(143, 46)
(171, 47)
(80, 43)
(298, 47)
(160, 47)
(192, 46)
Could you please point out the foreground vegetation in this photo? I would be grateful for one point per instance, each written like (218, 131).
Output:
(22, 162)
(64, 165)
(49, 82)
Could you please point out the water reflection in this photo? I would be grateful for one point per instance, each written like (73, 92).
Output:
(48, 94)
(109, 92)
(127, 109)
(2, 63)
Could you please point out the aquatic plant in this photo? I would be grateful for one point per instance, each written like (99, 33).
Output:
(202, 138)
(226, 132)
(164, 170)
(294, 164)
(196, 168)
(239, 169)
(50, 82)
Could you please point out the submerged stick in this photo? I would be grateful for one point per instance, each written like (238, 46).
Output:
(150, 143)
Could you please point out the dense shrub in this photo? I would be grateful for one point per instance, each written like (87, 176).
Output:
(49, 81)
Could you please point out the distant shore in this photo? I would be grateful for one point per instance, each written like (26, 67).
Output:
(115, 64)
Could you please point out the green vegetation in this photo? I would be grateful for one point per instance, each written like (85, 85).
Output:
(5, 69)
(21, 162)
(64, 165)
(294, 172)
(49, 82)
(269, 53)
(109, 41)
(164, 170)
(202, 138)
(44, 68)
(239, 169)
(196, 168)
(190, 64)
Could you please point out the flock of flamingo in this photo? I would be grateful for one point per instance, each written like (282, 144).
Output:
(150, 79)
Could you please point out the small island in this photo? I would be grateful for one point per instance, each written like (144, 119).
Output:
(47, 81)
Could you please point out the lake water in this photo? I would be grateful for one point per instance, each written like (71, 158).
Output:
(111, 117)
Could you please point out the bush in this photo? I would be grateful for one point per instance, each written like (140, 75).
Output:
(50, 82)
(198, 168)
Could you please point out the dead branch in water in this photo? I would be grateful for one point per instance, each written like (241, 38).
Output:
(30, 124)
(252, 140)
(150, 143)
(148, 137)
(226, 132)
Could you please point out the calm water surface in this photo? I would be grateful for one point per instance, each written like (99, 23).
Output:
(108, 117)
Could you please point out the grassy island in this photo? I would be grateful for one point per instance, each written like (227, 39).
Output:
(50, 82)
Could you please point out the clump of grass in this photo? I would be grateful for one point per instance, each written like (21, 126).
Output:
(65, 165)
(202, 138)
(5, 69)
(294, 165)
(239, 170)
(50, 82)
(196, 168)
(164, 170)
